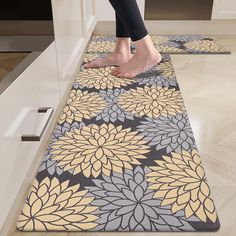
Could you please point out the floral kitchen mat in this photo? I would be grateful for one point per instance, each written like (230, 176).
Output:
(122, 157)
(169, 44)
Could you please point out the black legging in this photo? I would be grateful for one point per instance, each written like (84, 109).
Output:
(129, 22)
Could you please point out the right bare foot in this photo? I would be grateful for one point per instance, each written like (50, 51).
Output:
(113, 59)
(119, 56)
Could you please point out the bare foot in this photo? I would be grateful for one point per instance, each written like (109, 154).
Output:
(146, 56)
(113, 59)
(119, 56)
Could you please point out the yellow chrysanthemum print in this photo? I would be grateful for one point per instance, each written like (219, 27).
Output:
(166, 69)
(152, 101)
(99, 149)
(204, 46)
(57, 206)
(180, 180)
(158, 39)
(100, 78)
(169, 49)
(101, 46)
(81, 105)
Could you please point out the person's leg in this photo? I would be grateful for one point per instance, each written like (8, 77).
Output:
(129, 14)
(121, 53)
(146, 55)
(121, 31)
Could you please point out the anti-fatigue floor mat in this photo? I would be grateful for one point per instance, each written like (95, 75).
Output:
(169, 44)
(122, 157)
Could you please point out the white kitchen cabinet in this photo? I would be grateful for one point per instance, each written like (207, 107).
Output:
(36, 87)
(224, 9)
(45, 83)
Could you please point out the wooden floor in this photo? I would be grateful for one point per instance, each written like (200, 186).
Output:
(8, 61)
(208, 85)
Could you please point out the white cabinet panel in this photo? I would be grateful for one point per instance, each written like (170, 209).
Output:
(68, 29)
(105, 12)
(73, 22)
(224, 9)
(36, 87)
(88, 15)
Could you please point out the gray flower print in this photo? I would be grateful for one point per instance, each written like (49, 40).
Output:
(170, 44)
(153, 77)
(173, 133)
(185, 38)
(104, 37)
(47, 162)
(113, 112)
(77, 86)
(125, 204)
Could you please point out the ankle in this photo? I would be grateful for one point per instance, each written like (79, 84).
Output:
(123, 46)
(124, 40)
(145, 45)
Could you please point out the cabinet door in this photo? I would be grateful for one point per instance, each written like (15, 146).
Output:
(224, 9)
(36, 87)
(68, 29)
(73, 22)
(88, 16)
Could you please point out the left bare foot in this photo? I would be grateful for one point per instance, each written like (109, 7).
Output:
(119, 56)
(146, 56)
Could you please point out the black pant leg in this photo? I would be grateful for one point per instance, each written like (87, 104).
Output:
(121, 31)
(130, 16)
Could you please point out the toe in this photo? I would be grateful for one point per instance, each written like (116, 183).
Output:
(124, 75)
(119, 75)
(91, 64)
(128, 75)
(116, 75)
(115, 71)
(87, 65)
